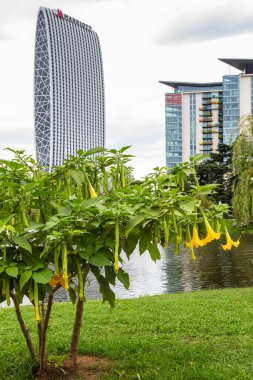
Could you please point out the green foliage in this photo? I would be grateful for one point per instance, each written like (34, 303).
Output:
(57, 227)
(217, 170)
(54, 226)
(243, 168)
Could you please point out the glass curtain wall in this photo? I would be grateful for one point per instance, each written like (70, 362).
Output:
(173, 135)
(231, 108)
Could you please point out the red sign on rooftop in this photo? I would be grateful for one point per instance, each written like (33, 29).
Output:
(173, 99)
(59, 13)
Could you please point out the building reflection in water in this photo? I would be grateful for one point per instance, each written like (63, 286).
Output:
(213, 269)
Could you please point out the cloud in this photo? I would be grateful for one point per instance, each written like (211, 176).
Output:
(207, 25)
(17, 136)
(23, 11)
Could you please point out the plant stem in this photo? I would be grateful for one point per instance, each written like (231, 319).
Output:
(77, 325)
(76, 332)
(43, 337)
(24, 329)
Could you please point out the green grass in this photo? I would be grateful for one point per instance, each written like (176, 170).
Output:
(188, 336)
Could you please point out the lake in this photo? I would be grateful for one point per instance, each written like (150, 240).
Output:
(213, 269)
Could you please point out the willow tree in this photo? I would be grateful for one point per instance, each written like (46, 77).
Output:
(242, 160)
(56, 228)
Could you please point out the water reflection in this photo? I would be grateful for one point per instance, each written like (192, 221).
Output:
(214, 268)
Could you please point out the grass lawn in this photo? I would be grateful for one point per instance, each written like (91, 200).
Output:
(200, 335)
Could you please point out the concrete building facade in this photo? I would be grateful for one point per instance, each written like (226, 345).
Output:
(68, 88)
(199, 116)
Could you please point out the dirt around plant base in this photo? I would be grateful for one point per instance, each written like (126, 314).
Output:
(88, 368)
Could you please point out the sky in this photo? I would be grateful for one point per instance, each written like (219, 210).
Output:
(142, 42)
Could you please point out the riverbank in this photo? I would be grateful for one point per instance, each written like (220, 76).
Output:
(200, 335)
(231, 225)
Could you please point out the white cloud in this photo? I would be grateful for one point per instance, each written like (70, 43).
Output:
(202, 21)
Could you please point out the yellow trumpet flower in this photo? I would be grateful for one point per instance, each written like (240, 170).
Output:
(57, 279)
(196, 241)
(187, 244)
(93, 193)
(230, 243)
(211, 234)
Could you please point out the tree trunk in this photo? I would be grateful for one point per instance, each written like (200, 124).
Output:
(77, 323)
(24, 329)
(76, 333)
(43, 338)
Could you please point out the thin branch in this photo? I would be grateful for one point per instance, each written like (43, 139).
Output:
(24, 329)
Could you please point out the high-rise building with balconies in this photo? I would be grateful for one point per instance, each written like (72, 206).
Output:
(199, 116)
(68, 88)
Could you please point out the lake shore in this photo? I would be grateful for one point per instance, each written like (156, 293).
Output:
(198, 335)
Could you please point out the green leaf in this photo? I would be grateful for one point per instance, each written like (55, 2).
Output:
(93, 202)
(154, 251)
(24, 278)
(53, 221)
(72, 295)
(99, 261)
(188, 206)
(84, 255)
(105, 290)
(145, 238)
(42, 276)
(137, 219)
(110, 275)
(12, 271)
(208, 189)
(3, 226)
(22, 242)
(77, 176)
(198, 158)
(123, 277)
(38, 265)
(129, 244)
(91, 151)
(124, 148)
(2, 268)
(13, 264)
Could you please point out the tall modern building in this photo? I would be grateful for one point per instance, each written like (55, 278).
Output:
(199, 116)
(68, 88)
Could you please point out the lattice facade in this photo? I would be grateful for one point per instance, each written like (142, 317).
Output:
(69, 88)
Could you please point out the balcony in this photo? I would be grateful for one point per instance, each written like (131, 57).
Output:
(205, 119)
(206, 143)
(206, 114)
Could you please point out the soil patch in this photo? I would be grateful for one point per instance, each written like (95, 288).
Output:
(88, 368)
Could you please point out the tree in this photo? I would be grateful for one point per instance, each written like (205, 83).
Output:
(57, 227)
(218, 169)
(242, 202)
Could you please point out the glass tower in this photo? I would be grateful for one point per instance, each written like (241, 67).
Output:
(68, 88)
(176, 122)
(200, 116)
(231, 107)
(173, 114)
